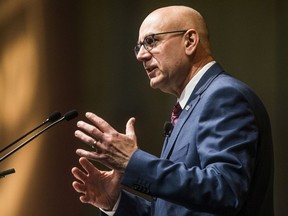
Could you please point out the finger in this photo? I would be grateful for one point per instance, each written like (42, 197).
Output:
(130, 130)
(84, 137)
(78, 187)
(88, 166)
(90, 129)
(84, 199)
(78, 174)
(99, 122)
(89, 155)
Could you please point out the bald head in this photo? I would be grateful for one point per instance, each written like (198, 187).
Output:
(176, 18)
(173, 45)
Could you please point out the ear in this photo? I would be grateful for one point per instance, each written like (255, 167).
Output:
(191, 41)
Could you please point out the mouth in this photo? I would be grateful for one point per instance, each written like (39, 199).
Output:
(151, 72)
(150, 69)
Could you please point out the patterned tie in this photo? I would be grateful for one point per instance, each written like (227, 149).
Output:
(176, 113)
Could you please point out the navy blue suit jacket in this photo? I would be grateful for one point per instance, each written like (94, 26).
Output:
(217, 161)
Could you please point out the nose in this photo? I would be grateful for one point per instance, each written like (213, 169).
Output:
(143, 54)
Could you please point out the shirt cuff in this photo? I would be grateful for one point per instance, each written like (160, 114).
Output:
(112, 212)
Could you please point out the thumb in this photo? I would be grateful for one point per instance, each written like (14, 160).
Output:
(130, 131)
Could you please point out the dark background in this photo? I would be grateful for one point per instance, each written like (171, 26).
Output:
(83, 58)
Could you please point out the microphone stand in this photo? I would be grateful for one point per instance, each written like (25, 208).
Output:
(6, 172)
(28, 140)
(68, 116)
(55, 118)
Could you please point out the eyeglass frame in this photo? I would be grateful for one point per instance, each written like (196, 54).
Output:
(153, 44)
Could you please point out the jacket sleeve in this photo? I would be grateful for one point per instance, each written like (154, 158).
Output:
(226, 142)
(131, 204)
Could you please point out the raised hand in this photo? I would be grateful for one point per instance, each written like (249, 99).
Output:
(98, 188)
(113, 149)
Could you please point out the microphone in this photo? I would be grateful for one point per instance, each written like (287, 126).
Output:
(68, 116)
(52, 117)
(6, 172)
(168, 127)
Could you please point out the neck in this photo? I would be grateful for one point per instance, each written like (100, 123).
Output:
(195, 68)
(198, 66)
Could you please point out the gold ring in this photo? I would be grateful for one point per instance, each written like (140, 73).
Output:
(94, 145)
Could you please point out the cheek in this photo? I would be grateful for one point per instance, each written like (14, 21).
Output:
(172, 59)
(170, 67)
(169, 62)
(165, 62)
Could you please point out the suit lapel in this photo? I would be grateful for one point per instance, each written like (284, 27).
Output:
(195, 97)
(181, 120)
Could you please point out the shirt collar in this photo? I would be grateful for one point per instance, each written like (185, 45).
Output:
(184, 97)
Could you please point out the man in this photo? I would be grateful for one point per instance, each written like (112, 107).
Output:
(218, 158)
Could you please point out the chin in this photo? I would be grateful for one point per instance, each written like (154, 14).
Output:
(154, 84)
(158, 86)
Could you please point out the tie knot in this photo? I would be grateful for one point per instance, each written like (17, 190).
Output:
(176, 113)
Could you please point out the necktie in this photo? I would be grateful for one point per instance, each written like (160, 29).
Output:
(176, 113)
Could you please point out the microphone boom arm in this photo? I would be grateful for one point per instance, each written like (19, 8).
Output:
(68, 116)
(6, 172)
(28, 140)
(53, 117)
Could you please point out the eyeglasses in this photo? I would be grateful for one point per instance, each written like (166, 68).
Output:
(150, 41)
